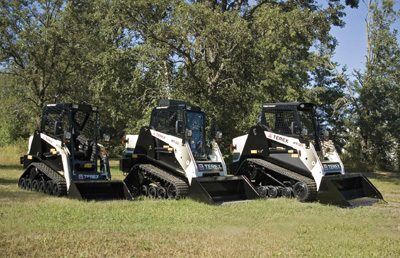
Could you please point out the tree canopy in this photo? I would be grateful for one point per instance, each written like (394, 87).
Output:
(227, 56)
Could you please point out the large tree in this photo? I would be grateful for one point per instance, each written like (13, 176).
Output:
(30, 43)
(378, 87)
(375, 109)
(63, 51)
(47, 50)
(230, 57)
(225, 55)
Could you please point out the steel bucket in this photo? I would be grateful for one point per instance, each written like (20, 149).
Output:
(350, 190)
(99, 190)
(221, 190)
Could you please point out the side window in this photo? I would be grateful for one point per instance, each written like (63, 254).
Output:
(164, 120)
(306, 120)
(158, 120)
(55, 124)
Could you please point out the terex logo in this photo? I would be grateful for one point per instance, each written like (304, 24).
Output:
(282, 139)
(81, 177)
(210, 167)
(332, 167)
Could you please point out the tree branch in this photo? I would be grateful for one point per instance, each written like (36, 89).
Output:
(250, 13)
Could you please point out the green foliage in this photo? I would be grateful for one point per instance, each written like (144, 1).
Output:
(15, 116)
(230, 58)
(32, 47)
(377, 116)
(226, 56)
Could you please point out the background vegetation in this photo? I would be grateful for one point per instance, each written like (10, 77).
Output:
(228, 56)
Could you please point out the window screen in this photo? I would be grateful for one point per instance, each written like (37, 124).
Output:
(279, 120)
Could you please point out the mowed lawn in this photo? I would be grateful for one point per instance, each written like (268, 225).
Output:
(36, 225)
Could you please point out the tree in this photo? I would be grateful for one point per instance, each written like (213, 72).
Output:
(15, 121)
(123, 56)
(379, 89)
(375, 102)
(229, 57)
(31, 43)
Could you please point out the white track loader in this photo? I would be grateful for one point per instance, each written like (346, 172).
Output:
(288, 155)
(172, 159)
(64, 158)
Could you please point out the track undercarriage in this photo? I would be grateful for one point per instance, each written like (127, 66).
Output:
(274, 181)
(39, 177)
(151, 181)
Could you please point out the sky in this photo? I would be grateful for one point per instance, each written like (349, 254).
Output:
(352, 47)
(352, 39)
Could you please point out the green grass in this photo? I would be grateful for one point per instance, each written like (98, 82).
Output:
(37, 225)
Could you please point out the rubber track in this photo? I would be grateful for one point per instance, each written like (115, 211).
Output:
(290, 174)
(57, 178)
(182, 188)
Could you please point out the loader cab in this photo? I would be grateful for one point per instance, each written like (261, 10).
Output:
(181, 119)
(296, 120)
(76, 127)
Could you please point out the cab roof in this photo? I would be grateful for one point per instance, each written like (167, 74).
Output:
(298, 105)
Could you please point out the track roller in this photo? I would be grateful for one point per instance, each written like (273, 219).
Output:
(272, 191)
(153, 192)
(262, 191)
(301, 191)
(28, 185)
(41, 188)
(35, 185)
(161, 192)
(287, 192)
(22, 183)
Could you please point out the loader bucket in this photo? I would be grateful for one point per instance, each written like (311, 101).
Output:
(222, 190)
(99, 190)
(348, 191)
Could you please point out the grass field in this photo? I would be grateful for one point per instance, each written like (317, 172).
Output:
(37, 225)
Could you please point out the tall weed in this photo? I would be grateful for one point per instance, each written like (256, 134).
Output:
(10, 153)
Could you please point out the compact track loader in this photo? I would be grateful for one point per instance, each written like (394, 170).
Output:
(64, 158)
(288, 155)
(172, 159)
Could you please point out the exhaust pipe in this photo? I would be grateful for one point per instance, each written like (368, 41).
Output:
(99, 190)
(350, 190)
(221, 190)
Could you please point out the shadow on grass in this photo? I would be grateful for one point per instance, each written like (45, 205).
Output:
(8, 181)
(11, 167)
(21, 195)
